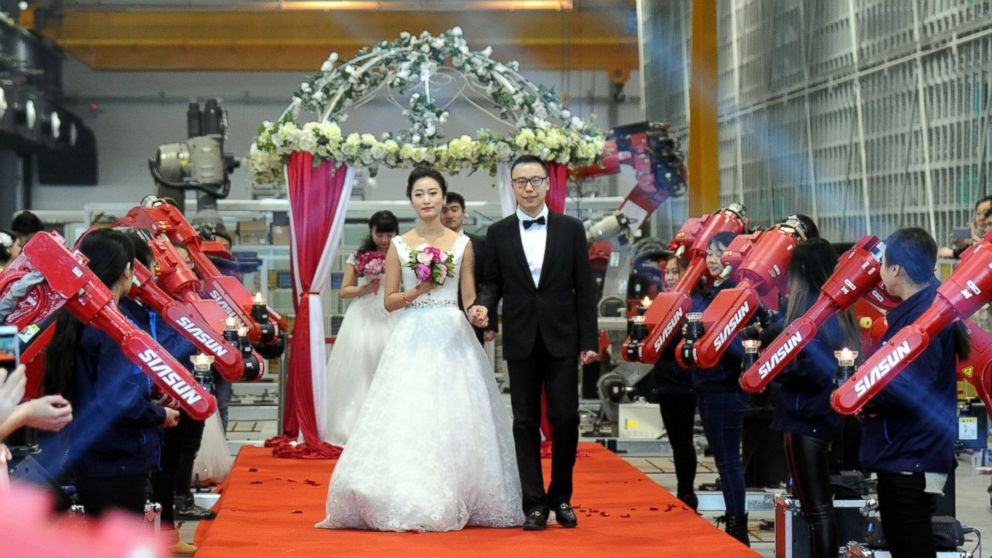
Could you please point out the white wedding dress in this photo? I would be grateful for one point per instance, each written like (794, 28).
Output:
(432, 449)
(353, 360)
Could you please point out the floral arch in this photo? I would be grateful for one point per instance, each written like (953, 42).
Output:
(315, 160)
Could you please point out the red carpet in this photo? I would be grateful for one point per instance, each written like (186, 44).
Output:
(269, 506)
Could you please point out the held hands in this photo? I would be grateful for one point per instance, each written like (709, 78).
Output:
(588, 357)
(479, 317)
(171, 418)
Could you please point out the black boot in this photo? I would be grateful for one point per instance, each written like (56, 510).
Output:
(689, 499)
(737, 528)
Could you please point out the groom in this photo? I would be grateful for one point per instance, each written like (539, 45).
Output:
(538, 263)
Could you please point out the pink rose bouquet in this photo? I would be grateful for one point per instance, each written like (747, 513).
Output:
(430, 263)
(370, 264)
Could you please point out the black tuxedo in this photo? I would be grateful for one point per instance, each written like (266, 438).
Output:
(479, 249)
(544, 329)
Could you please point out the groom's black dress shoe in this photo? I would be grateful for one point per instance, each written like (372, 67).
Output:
(565, 516)
(536, 520)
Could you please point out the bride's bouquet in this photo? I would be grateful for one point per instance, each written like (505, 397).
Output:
(430, 263)
(370, 264)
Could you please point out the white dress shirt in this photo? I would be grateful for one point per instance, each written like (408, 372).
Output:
(534, 240)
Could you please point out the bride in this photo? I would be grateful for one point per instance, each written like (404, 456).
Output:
(432, 448)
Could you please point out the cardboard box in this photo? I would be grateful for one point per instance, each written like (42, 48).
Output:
(253, 232)
(280, 235)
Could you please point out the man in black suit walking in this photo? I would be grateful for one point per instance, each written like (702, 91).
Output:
(538, 264)
(453, 217)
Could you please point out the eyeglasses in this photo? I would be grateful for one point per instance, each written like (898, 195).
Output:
(534, 181)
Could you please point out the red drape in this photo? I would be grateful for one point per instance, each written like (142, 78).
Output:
(315, 197)
(557, 187)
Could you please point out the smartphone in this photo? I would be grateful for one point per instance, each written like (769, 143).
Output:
(961, 233)
(10, 345)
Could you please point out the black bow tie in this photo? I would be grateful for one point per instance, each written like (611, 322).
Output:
(539, 221)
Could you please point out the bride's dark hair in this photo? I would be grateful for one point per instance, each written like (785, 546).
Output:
(382, 222)
(425, 172)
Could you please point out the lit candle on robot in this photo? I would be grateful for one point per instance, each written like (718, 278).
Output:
(201, 362)
(242, 331)
(845, 357)
(259, 299)
(643, 307)
(751, 345)
(231, 323)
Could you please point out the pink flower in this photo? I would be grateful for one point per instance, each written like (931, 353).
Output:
(435, 254)
(425, 257)
(423, 272)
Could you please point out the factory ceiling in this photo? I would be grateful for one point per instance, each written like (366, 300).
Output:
(298, 35)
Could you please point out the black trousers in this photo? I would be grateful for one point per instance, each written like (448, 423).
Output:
(560, 378)
(678, 412)
(906, 511)
(180, 445)
(808, 459)
(100, 494)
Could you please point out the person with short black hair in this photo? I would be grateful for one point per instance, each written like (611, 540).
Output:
(453, 216)
(910, 426)
(26, 224)
(538, 265)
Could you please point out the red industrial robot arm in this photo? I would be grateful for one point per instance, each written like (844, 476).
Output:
(761, 275)
(967, 289)
(188, 323)
(652, 151)
(856, 275)
(667, 312)
(68, 282)
(162, 219)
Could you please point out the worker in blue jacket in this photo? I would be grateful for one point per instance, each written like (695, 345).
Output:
(910, 426)
(802, 411)
(722, 401)
(115, 439)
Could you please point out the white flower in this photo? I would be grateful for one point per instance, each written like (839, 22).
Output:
(333, 57)
(438, 43)
(487, 52)
(425, 258)
(327, 66)
(576, 122)
(425, 48)
(330, 130)
(404, 35)
(456, 31)
(566, 114)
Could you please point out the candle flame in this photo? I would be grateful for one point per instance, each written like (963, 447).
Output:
(845, 356)
(201, 361)
(243, 331)
(259, 299)
(231, 322)
(646, 301)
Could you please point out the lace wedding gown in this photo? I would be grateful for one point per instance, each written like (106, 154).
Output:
(353, 360)
(432, 449)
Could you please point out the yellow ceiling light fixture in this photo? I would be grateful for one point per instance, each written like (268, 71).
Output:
(413, 5)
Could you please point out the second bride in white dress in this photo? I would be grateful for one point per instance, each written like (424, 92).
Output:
(362, 337)
(432, 449)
